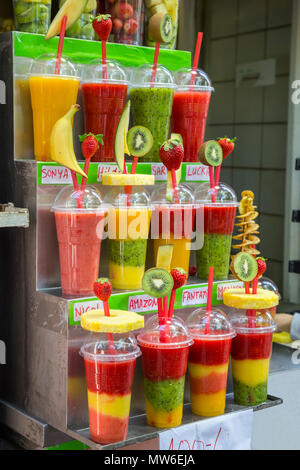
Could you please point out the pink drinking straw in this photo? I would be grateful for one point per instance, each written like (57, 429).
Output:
(104, 60)
(209, 299)
(196, 59)
(155, 62)
(60, 44)
(109, 335)
(134, 165)
(212, 184)
(174, 184)
(217, 175)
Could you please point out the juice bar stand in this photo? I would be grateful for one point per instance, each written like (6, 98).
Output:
(42, 386)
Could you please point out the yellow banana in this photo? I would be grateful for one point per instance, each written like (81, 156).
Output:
(61, 142)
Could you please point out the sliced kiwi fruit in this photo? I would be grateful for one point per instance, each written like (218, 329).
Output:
(245, 266)
(160, 28)
(211, 153)
(157, 282)
(139, 141)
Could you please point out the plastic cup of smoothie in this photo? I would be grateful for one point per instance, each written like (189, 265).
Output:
(32, 16)
(190, 109)
(250, 356)
(267, 284)
(218, 227)
(172, 224)
(165, 350)
(23, 140)
(51, 98)
(128, 232)
(103, 103)
(151, 106)
(79, 234)
(208, 361)
(109, 379)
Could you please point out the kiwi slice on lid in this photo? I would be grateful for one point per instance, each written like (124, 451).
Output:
(161, 27)
(245, 266)
(157, 282)
(211, 153)
(139, 141)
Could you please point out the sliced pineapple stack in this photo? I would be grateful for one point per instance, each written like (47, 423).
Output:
(119, 321)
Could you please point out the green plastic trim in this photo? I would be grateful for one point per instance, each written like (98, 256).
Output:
(71, 445)
(82, 51)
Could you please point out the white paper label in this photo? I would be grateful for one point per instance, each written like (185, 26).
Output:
(231, 431)
(159, 171)
(142, 303)
(227, 285)
(197, 173)
(107, 168)
(82, 307)
(194, 296)
(56, 175)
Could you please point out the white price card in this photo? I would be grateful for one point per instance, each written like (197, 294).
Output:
(55, 175)
(227, 285)
(232, 431)
(86, 306)
(194, 296)
(159, 171)
(142, 303)
(107, 168)
(197, 173)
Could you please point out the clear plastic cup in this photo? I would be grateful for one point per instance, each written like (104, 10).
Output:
(218, 227)
(267, 284)
(109, 378)
(51, 98)
(162, 7)
(103, 104)
(128, 232)
(32, 16)
(79, 234)
(190, 109)
(165, 349)
(208, 361)
(127, 21)
(172, 223)
(250, 356)
(151, 106)
(83, 28)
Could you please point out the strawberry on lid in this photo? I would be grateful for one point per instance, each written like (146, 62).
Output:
(102, 25)
(171, 154)
(227, 145)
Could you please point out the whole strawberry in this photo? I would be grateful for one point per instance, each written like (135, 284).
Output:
(103, 288)
(179, 277)
(261, 265)
(227, 145)
(171, 154)
(90, 144)
(102, 25)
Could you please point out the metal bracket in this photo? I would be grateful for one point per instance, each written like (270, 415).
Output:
(11, 216)
(294, 266)
(297, 165)
(296, 216)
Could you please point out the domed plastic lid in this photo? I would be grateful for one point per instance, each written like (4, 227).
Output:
(93, 72)
(173, 333)
(141, 77)
(123, 348)
(219, 324)
(67, 199)
(267, 284)
(22, 66)
(45, 65)
(264, 322)
(224, 194)
(117, 197)
(160, 196)
(182, 79)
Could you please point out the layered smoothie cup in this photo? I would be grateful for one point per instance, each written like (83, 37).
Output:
(79, 235)
(208, 361)
(218, 227)
(109, 378)
(128, 229)
(151, 105)
(51, 98)
(172, 224)
(103, 102)
(165, 351)
(190, 110)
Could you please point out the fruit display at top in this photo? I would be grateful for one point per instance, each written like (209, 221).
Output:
(82, 27)
(72, 9)
(162, 22)
(211, 153)
(127, 21)
(247, 227)
(32, 16)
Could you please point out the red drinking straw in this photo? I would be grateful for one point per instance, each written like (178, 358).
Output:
(209, 299)
(196, 59)
(109, 335)
(104, 60)
(134, 165)
(155, 62)
(60, 44)
(174, 184)
(217, 175)
(212, 184)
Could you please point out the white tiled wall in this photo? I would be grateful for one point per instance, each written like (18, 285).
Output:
(242, 31)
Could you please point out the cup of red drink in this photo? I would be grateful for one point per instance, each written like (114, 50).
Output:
(208, 361)
(103, 102)
(172, 222)
(250, 356)
(127, 20)
(218, 227)
(190, 109)
(79, 234)
(109, 378)
(165, 348)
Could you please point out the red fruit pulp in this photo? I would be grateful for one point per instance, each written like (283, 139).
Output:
(176, 220)
(112, 378)
(190, 109)
(209, 352)
(219, 219)
(103, 104)
(251, 346)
